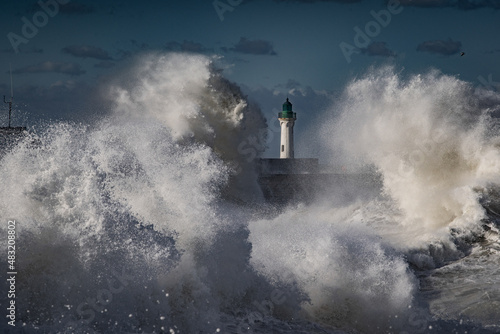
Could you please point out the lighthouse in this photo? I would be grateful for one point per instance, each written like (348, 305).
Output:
(287, 120)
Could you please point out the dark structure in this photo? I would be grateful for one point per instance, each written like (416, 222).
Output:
(9, 135)
(288, 180)
(288, 166)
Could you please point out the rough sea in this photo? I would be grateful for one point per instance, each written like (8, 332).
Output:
(150, 219)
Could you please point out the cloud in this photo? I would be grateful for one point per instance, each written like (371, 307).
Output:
(186, 46)
(68, 99)
(459, 4)
(314, 1)
(378, 49)
(131, 47)
(22, 50)
(446, 48)
(493, 51)
(292, 83)
(76, 8)
(294, 88)
(86, 51)
(52, 67)
(71, 8)
(105, 64)
(254, 47)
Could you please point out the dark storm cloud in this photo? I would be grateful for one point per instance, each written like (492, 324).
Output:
(138, 45)
(254, 47)
(130, 47)
(314, 1)
(292, 83)
(86, 51)
(460, 4)
(186, 46)
(22, 50)
(52, 67)
(378, 49)
(65, 99)
(294, 88)
(493, 51)
(447, 48)
(76, 8)
(71, 8)
(105, 64)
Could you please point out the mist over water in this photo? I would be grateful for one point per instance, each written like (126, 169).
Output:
(152, 220)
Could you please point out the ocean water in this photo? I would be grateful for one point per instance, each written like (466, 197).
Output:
(150, 220)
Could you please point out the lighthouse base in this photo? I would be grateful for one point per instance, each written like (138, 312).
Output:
(288, 166)
(288, 181)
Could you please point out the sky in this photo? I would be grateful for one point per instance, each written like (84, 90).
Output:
(61, 51)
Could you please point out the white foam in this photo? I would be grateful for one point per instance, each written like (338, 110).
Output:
(430, 138)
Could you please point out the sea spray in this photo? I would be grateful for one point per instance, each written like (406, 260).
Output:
(139, 223)
(343, 269)
(137, 191)
(430, 139)
(434, 141)
(196, 104)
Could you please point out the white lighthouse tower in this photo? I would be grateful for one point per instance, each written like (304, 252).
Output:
(287, 120)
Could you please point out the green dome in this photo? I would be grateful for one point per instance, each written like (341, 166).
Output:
(287, 111)
(287, 106)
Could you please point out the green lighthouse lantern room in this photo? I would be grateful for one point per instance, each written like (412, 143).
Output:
(287, 111)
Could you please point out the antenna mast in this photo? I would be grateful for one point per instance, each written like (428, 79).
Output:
(11, 96)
